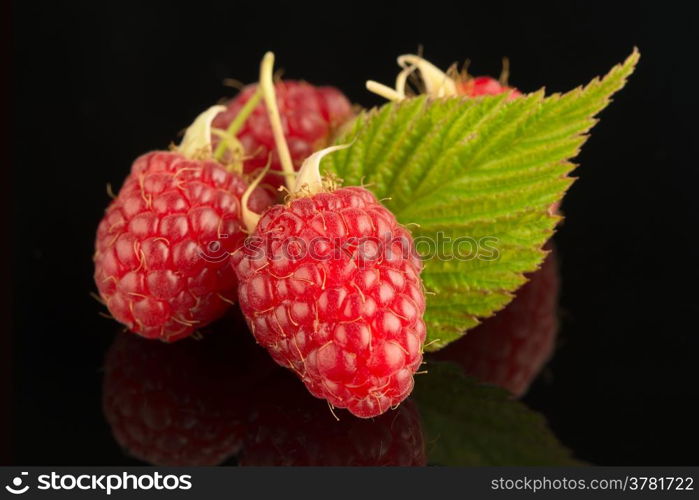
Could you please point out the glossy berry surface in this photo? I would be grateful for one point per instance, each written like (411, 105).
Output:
(485, 85)
(309, 116)
(172, 405)
(330, 285)
(188, 403)
(510, 348)
(290, 428)
(162, 248)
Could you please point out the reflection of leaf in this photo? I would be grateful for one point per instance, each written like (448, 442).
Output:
(471, 169)
(466, 423)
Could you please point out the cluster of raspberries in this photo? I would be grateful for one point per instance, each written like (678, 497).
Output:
(171, 253)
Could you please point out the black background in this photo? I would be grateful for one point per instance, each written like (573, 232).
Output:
(94, 84)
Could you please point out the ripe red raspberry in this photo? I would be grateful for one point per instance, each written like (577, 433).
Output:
(182, 404)
(290, 428)
(161, 260)
(436, 83)
(485, 85)
(309, 114)
(510, 348)
(330, 285)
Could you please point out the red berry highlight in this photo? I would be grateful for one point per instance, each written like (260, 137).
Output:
(330, 285)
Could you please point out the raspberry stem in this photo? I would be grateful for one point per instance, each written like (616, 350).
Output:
(238, 122)
(504, 72)
(308, 180)
(384, 91)
(197, 138)
(267, 86)
(436, 82)
(250, 218)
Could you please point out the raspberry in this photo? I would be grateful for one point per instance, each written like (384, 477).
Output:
(181, 404)
(309, 115)
(510, 348)
(436, 83)
(289, 428)
(330, 285)
(161, 260)
(485, 85)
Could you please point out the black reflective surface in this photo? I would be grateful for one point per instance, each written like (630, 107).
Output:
(94, 85)
(218, 398)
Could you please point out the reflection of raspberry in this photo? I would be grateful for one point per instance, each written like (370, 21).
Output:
(346, 318)
(291, 428)
(185, 403)
(485, 85)
(309, 117)
(510, 348)
(161, 260)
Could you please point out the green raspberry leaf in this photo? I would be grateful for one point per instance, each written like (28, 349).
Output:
(470, 424)
(475, 181)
